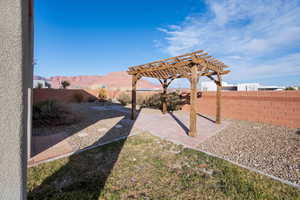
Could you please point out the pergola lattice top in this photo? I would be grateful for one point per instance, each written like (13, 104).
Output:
(180, 66)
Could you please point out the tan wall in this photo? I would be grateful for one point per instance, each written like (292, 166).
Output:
(67, 95)
(273, 107)
(64, 95)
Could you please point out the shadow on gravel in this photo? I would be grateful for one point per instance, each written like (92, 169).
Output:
(209, 119)
(85, 174)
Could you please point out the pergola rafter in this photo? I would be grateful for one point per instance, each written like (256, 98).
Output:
(191, 66)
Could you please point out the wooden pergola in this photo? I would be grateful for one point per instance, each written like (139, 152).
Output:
(190, 66)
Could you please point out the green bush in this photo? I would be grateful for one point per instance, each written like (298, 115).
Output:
(174, 101)
(124, 99)
(52, 113)
(78, 97)
(289, 88)
(39, 86)
(65, 84)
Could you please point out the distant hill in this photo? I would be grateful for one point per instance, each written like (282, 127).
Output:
(39, 78)
(114, 80)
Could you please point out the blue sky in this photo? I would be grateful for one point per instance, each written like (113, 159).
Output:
(260, 40)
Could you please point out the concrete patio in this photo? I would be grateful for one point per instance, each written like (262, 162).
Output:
(174, 126)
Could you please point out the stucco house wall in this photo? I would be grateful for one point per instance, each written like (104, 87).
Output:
(15, 79)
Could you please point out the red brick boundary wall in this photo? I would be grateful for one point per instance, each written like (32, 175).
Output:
(272, 107)
(63, 95)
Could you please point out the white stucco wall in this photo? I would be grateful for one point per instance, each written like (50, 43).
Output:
(15, 79)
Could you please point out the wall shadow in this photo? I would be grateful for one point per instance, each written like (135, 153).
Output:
(86, 174)
(41, 143)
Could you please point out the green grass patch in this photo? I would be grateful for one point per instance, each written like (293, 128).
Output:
(146, 167)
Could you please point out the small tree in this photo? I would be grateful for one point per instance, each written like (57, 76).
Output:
(48, 85)
(39, 85)
(65, 84)
(290, 88)
(102, 94)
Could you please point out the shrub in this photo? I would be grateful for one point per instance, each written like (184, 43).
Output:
(174, 101)
(109, 100)
(140, 100)
(92, 99)
(52, 113)
(289, 88)
(153, 101)
(65, 84)
(102, 94)
(124, 99)
(78, 97)
(48, 85)
(39, 85)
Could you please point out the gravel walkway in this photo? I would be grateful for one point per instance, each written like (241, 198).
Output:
(272, 149)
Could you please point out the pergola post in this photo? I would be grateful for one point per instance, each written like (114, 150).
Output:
(164, 97)
(133, 96)
(218, 100)
(193, 99)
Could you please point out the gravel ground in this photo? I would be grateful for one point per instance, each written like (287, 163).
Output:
(272, 149)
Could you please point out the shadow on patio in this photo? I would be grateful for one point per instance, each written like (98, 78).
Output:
(81, 165)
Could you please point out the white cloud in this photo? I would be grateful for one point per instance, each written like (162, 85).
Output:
(273, 68)
(248, 34)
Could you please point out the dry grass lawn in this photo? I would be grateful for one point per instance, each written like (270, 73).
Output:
(146, 167)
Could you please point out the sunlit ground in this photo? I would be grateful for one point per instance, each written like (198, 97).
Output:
(146, 167)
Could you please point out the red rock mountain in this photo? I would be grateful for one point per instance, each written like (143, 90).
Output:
(114, 80)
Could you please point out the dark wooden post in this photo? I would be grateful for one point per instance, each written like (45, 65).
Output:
(164, 97)
(133, 97)
(193, 99)
(218, 100)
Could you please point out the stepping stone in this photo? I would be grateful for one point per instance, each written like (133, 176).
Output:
(102, 129)
(207, 171)
(82, 134)
(119, 126)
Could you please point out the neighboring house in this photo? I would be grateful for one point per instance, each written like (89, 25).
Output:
(43, 83)
(211, 86)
